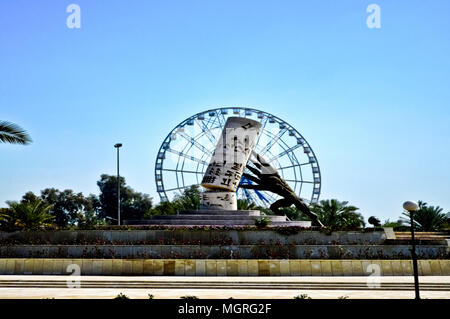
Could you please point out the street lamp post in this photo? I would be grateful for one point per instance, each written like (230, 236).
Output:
(117, 146)
(412, 207)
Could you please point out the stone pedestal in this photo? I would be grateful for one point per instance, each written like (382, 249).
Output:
(218, 200)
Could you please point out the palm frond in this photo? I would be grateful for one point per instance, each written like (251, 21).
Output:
(13, 133)
(427, 218)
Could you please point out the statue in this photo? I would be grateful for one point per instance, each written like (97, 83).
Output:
(374, 221)
(268, 179)
(233, 153)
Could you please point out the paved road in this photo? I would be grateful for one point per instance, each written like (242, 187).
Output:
(91, 287)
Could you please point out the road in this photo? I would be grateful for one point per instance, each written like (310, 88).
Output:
(99, 287)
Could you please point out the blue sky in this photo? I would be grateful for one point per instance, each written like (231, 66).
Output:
(373, 103)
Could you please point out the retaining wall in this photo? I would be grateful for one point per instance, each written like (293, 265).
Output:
(217, 267)
(225, 252)
(186, 236)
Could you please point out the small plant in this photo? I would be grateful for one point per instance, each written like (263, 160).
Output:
(343, 297)
(262, 222)
(150, 296)
(189, 297)
(302, 296)
(121, 296)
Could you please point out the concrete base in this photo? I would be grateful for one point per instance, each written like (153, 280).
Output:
(214, 217)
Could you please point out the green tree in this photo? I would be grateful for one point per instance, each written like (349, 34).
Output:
(338, 215)
(67, 206)
(163, 208)
(133, 205)
(13, 134)
(388, 223)
(88, 219)
(190, 199)
(427, 218)
(29, 197)
(28, 215)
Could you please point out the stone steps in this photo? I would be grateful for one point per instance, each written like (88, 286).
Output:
(213, 222)
(221, 212)
(212, 284)
(423, 235)
(216, 218)
(440, 238)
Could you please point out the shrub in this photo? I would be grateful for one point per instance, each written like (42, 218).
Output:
(262, 222)
(302, 296)
(121, 296)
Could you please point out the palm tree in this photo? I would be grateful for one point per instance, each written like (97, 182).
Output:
(245, 204)
(13, 133)
(28, 215)
(427, 218)
(335, 214)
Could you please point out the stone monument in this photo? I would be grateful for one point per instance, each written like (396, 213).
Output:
(228, 162)
(218, 202)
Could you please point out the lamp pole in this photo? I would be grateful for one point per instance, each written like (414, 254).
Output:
(412, 207)
(117, 146)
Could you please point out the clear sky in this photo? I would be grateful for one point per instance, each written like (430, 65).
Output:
(373, 103)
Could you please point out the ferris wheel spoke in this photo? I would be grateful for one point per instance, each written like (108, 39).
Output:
(180, 171)
(285, 152)
(221, 119)
(269, 196)
(206, 132)
(192, 158)
(196, 144)
(263, 126)
(213, 120)
(179, 188)
(297, 181)
(290, 166)
(273, 141)
(200, 170)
